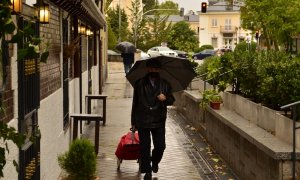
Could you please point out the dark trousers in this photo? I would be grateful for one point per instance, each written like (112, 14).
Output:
(127, 67)
(158, 137)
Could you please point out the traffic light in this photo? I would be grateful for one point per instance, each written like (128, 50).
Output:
(181, 11)
(203, 7)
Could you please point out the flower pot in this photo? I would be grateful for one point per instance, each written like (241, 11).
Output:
(215, 105)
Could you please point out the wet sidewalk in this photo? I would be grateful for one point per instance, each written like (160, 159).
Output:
(181, 161)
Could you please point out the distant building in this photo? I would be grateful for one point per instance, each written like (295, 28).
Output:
(192, 19)
(220, 26)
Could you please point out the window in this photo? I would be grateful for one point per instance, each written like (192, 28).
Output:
(214, 22)
(214, 42)
(227, 24)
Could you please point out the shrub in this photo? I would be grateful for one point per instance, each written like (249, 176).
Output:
(243, 46)
(80, 161)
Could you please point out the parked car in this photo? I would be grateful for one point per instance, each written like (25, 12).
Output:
(161, 51)
(182, 54)
(144, 55)
(204, 54)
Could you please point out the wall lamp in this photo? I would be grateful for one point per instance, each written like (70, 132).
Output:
(88, 32)
(16, 6)
(82, 29)
(43, 12)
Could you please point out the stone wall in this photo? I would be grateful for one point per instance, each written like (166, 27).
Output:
(115, 58)
(251, 151)
(187, 103)
(246, 160)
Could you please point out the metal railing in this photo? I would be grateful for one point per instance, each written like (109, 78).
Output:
(204, 75)
(293, 106)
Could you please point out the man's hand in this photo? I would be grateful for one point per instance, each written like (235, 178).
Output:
(161, 97)
(132, 128)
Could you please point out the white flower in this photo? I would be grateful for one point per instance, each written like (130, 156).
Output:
(35, 47)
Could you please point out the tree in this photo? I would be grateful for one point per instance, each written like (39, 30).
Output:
(107, 4)
(158, 28)
(182, 37)
(112, 39)
(169, 5)
(279, 22)
(113, 19)
(136, 19)
(149, 4)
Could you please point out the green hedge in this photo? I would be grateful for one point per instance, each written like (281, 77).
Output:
(268, 77)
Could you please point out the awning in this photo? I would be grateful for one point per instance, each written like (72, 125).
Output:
(86, 10)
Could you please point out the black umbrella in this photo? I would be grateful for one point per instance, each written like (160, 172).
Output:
(178, 72)
(126, 47)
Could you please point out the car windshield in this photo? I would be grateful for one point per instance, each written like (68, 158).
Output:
(164, 49)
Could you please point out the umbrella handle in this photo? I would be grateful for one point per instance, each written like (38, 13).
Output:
(161, 92)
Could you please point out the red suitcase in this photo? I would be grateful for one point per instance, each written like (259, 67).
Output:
(128, 148)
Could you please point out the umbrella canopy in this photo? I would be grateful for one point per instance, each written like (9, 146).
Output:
(178, 72)
(126, 47)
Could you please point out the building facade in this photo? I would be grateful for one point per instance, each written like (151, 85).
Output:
(40, 96)
(221, 27)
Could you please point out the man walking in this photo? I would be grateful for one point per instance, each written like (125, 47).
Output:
(151, 97)
(128, 60)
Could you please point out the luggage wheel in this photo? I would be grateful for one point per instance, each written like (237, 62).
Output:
(119, 161)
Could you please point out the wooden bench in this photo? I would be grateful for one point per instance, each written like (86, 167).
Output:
(88, 101)
(87, 117)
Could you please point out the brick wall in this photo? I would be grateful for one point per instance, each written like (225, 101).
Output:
(7, 98)
(50, 71)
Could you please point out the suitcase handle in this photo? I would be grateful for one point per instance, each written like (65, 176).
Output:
(132, 129)
(132, 134)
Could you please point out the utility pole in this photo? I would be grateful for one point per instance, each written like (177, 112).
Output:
(119, 39)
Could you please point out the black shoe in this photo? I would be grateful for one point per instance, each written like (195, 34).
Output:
(148, 176)
(155, 168)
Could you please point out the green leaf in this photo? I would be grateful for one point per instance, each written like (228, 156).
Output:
(17, 37)
(9, 27)
(36, 40)
(22, 53)
(31, 54)
(44, 56)
(16, 165)
(28, 30)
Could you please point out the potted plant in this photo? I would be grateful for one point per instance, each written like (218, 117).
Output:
(79, 162)
(211, 97)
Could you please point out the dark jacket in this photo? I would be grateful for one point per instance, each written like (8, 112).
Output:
(128, 58)
(147, 110)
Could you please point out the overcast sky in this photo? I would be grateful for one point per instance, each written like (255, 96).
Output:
(194, 5)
